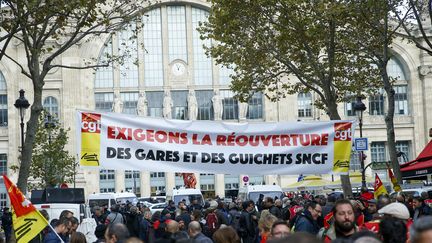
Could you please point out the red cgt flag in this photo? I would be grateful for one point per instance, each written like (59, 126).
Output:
(20, 204)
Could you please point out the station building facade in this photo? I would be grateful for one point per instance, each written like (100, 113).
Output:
(174, 60)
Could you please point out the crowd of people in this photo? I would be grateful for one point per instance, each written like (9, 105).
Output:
(299, 219)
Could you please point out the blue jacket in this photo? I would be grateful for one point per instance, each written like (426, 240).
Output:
(305, 223)
(51, 237)
(201, 238)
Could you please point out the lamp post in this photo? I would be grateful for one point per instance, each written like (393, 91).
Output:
(22, 104)
(359, 108)
(49, 124)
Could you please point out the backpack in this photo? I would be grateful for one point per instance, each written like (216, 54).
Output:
(212, 222)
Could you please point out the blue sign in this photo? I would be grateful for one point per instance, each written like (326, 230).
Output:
(361, 144)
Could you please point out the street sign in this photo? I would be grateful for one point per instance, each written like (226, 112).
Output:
(361, 144)
(245, 179)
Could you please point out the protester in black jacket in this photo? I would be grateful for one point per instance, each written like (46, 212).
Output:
(248, 223)
(269, 204)
(307, 221)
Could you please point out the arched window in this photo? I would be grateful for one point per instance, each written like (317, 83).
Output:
(395, 70)
(50, 104)
(3, 102)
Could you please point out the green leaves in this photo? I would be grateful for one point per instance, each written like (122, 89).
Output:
(51, 163)
(270, 41)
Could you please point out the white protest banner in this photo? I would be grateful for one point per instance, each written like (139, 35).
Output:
(119, 141)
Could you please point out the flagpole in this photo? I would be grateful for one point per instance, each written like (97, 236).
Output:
(55, 233)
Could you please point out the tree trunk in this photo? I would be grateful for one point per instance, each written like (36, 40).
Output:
(26, 158)
(345, 181)
(391, 138)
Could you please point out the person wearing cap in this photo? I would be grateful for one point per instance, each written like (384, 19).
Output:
(171, 208)
(371, 210)
(393, 210)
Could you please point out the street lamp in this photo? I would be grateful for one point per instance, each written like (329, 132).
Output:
(359, 108)
(49, 124)
(22, 104)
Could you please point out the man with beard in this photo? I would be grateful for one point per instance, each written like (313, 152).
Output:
(343, 226)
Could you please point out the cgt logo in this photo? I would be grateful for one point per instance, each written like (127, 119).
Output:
(342, 131)
(90, 122)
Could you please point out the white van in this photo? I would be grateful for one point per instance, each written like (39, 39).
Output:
(187, 194)
(250, 192)
(80, 211)
(108, 199)
(56, 200)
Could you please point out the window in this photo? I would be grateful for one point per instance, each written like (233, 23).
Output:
(349, 107)
(355, 161)
(205, 106)
(109, 189)
(230, 105)
(207, 187)
(155, 190)
(3, 200)
(394, 69)
(128, 49)
(104, 75)
(225, 75)
(376, 104)
(404, 148)
(378, 152)
(177, 42)
(107, 175)
(104, 101)
(401, 100)
(130, 100)
(3, 164)
(202, 63)
(130, 175)
(157, 174)
(50, 104)
(153, 64)
(179, 109)
(304, 104)
(155, 103)
(3, 111)
(255, 110)
(3, 102)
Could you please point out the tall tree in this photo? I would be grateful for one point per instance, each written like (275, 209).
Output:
(268, 42)
(51, 162)
(417, 29)
(40, 26)
(377, 18)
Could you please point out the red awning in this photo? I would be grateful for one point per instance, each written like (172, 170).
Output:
(421, 166)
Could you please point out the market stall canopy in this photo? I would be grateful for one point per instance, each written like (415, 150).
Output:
(355, 178)
(309, 182)
(420, 167)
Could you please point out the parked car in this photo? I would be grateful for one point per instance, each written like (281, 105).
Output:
(157, 207)
(152, 200)
(415, 192)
